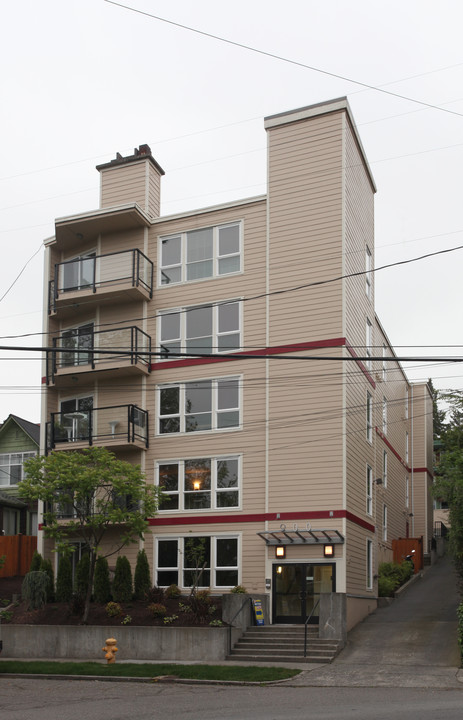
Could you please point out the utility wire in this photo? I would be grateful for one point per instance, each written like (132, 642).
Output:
(281, 58)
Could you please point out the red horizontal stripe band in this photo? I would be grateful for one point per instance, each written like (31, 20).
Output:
(262, 517)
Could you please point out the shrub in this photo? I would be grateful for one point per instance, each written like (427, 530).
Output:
(82, 575)
(6, 616)
(34, 589)
(64, 579)
(157, 610)
(172, 592)
(77, 604)
(155, 594)
(113, 609)
(47, 568)
(127, 620)
(122, 583)
(35, 562)
(391, 576)
(101, 582)
(460, 628)
(238, 589)
(142, 578)
(201, 604)
(216, 623)
(170, 619)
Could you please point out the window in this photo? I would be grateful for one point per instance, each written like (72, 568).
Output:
(368, 266)
(406, 448)
(369, 418)
(200, 483)
(384, 362)
(75, 341)
(368, 343)
(79, 272)
(369, 490)
(384, 416)
(177, 561)
(384, 468)
(198, 254)
(204, 329)
(369, 565)
(199, 406)
(11, 467)
(407, 492)
(385, 523)
(10, 521)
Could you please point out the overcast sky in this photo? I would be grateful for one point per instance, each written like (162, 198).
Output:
(84, 79)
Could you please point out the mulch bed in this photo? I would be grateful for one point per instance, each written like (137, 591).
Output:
(63, 613)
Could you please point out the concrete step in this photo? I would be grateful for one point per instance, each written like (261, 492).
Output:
(275, 643)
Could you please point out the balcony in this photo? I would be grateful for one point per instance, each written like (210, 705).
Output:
(119, 427)
(115, 352)
(125, 276)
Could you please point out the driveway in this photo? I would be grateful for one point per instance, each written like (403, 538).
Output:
(411, 643)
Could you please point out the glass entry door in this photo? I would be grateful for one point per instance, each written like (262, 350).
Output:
(297, 588)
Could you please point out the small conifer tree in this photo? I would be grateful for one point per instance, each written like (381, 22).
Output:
(35, 562)
(122, 584)
(82, 575)
(46, 567)
(34, 589)
(102, 585)
(64, 579)
(142, 578)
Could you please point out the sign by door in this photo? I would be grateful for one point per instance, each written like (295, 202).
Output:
(258, 612)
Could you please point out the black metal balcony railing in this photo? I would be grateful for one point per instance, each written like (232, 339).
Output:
(93, 273)
(87, 348)
(114, 425)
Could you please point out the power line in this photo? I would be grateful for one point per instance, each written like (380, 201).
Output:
(281, 58)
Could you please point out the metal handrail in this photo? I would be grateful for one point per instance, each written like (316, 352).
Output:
(306, 624)
(233, 618)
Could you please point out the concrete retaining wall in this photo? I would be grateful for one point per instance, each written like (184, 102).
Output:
(134, 643)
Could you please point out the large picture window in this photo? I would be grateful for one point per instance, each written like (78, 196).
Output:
(200, 483)
(199, 254)
(205, 329)
(180, 561)
(199, 406)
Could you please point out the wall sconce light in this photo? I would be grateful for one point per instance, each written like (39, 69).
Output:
(328, 550)
(379, 481)
(280, 551)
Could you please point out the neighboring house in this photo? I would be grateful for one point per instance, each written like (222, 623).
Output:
(293, 462)
(19, 439)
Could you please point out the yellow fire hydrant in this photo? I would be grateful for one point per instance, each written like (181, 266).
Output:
(110, 649)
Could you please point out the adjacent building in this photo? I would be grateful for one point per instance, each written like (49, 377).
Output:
(19, 440)
(234, 352)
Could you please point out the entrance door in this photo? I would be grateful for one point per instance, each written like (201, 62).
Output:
(297, 588)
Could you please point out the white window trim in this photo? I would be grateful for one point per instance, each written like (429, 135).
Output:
(385, 461)
(215, 411)
(369, 418)
(369, 564)
(180, 538)
(25, 454)
(384, 416)
(385, 523)
(369, 491)
(368, 343)
(215, 259)
(213, 491)
(215, 326)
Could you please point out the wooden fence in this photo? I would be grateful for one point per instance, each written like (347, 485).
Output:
(403, 547)
(18, 551)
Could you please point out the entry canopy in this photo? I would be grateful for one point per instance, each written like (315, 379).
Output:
(302, 536)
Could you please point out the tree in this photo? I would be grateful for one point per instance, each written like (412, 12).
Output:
(86, 495)
(142, 578)
(448, 483)
(64, 579)
(122, 583)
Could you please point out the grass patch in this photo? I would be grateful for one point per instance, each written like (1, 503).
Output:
(149, 670)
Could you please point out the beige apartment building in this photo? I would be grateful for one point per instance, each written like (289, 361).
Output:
(234, 352)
